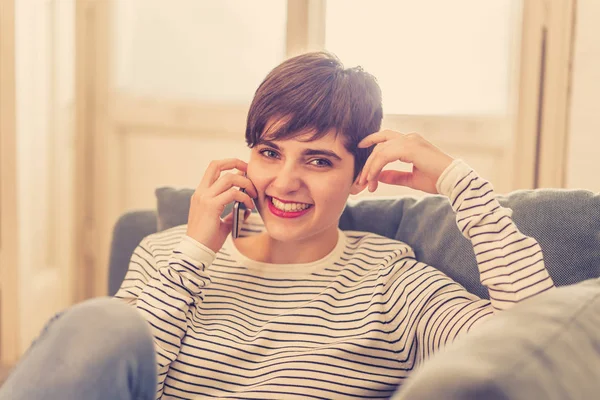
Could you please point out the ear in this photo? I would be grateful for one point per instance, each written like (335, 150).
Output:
(356, 188)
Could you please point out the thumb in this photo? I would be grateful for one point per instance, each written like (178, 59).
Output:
(399, 178)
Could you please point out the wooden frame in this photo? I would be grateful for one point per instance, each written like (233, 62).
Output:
(9, 304)
(545, 76)
(305, 26)
(531, 84)
(84, 253)
(554, 118)
(95, 166)
(186, 116)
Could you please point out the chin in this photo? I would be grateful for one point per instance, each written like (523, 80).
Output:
(309, 227)
(284, 234)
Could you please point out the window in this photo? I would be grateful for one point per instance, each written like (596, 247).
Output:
(431, 57)
(209, 51)
(448, 70)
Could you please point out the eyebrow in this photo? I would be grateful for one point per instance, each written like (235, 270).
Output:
(307, 152)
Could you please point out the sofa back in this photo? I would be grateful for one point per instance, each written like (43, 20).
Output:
(566, 223)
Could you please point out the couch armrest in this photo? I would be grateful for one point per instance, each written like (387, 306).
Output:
(547, 347)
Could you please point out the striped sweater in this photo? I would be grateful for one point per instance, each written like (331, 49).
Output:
(351, 325)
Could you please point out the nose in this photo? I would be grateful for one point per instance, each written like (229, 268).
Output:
(287, 179)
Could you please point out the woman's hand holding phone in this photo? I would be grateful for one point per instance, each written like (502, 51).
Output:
(212, 195)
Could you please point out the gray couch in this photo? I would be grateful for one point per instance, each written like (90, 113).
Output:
(546, 347)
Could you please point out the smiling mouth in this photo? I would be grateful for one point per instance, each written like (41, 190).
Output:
(287, 206)
(287, 210)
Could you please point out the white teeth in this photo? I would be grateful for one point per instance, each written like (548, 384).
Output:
(287, 207)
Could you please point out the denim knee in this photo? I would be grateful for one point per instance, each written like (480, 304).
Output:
(99, 349)
(104, 327)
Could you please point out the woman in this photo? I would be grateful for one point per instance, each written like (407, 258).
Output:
(297, 308)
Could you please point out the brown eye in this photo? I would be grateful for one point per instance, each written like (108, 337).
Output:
(268, 153)
(321, 163)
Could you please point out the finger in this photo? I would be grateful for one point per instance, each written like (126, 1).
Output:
(228, 219)
(375, 155)
(228, 181)
(399, 178)
(378, 137)
(213, 172)
(250, 188)
(384, 157)
(233, 194)
(364, 172)
(372, 186)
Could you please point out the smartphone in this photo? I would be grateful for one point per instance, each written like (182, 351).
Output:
(239, 211)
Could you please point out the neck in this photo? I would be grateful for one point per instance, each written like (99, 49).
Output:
(264, 248)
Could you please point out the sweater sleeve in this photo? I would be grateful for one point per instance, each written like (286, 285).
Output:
(165, 294)
(511, 264)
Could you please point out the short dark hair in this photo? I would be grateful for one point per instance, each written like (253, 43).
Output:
(314, 91)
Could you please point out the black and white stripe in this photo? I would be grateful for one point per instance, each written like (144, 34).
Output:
(354, 326)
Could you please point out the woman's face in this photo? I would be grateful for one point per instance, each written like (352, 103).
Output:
(302, 186)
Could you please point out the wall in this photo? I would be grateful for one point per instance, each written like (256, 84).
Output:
(584, 127)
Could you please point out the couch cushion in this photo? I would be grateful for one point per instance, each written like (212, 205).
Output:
(566, 223)
(128, 232)
(547, 347)
(172, 206)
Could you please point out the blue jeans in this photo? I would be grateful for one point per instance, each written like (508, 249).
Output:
(99, 349)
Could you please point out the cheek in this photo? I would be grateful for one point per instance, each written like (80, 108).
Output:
(257, 174)
(335, 190)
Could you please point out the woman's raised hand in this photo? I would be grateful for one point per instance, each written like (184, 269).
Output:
(428, 161)
(212, 196)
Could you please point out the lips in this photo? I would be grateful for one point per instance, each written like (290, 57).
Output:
(286, 214)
